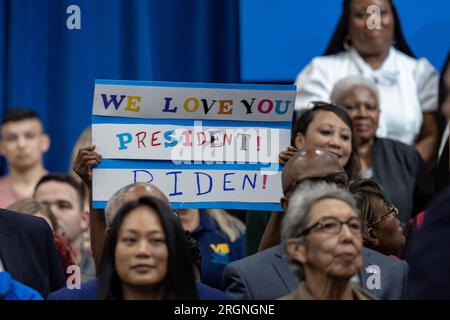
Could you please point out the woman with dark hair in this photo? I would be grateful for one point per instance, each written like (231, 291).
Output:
(325, 126)
(330, 127)
(146, 255)
(408, 86)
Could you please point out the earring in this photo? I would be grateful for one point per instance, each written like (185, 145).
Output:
(347, 43)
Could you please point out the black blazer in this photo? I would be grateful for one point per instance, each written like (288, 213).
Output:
(28, 252)
(403, 175)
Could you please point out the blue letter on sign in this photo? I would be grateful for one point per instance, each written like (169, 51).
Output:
(141, 179)
(124, 138)
(225, 182)
(199, 193)
(175, 193)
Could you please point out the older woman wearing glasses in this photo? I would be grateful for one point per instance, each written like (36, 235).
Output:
(322, 236)
(381, 227)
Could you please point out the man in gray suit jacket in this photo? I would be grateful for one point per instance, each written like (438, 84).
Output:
(266, 276)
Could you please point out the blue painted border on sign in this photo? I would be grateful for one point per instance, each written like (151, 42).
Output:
(197, 85)
(261, 206)
(162, 164)
(97, 119)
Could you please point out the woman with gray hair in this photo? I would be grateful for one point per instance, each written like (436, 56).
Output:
(322, 236)
(397, 167)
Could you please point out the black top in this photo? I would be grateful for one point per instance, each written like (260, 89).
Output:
(403, 175)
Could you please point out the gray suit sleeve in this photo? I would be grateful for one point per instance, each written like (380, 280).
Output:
(234, 283)
(405, 280)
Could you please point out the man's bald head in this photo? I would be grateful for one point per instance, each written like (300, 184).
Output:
(129, 193)
(139, 190)
(309, 163)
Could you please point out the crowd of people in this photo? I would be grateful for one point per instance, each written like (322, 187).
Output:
(365, 198)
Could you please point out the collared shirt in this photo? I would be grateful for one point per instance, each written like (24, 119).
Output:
(408, 87)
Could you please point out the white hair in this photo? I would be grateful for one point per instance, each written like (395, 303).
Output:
(297, 217)
(342, 86)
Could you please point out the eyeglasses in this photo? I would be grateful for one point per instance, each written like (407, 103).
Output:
(333, 226)
(391, 210)
(339, 178)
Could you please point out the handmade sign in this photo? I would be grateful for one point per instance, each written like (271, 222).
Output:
(203, 145)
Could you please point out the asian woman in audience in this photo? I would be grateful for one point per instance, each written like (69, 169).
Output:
(397, 167)
(146, 255)
(407, 85)
(325, 126)
(329, 127)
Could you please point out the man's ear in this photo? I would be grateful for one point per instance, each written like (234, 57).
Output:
(106, 231)
(370, 237)
(2, 149)
(299, 141)
(45, 142)
(85, 219)
(296, 250)
(284, 203)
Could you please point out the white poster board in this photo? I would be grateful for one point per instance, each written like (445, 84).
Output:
(218, 143)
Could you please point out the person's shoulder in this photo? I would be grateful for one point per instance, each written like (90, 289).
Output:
(25, 222)
(21, 219)
(408, 155)
(332, 58)
(404, 57)
(259, 259)
(328, 62)
(87, 291)
(206, 292)
(418, 65)
(396, 145)
(375, 257)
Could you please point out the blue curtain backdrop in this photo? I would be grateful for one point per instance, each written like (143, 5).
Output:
(51, 69)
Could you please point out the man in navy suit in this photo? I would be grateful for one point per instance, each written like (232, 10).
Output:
(28, 253)
(381, 275)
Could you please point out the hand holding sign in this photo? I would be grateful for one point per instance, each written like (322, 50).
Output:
(86, 159)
